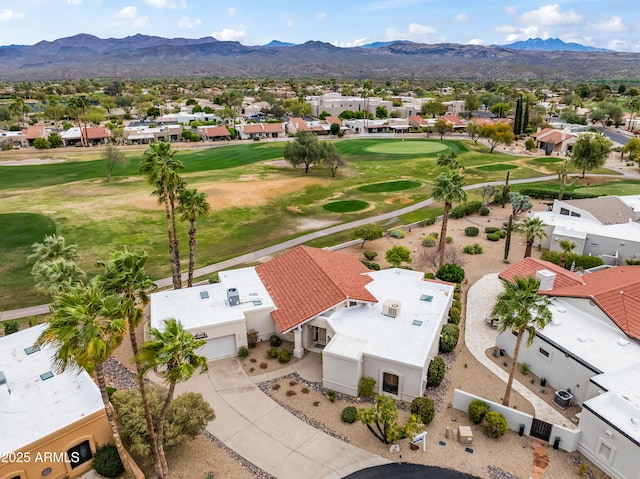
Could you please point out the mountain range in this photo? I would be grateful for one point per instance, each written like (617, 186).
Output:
(142, 56)
(552, 44)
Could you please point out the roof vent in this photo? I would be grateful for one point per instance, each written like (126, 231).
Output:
(391, 307)
(233, 297)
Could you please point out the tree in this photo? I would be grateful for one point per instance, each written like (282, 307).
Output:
(173, 349)
(79, 105)
(368, 233)
(41, 144)
(334, 128)
(442, 126)
(447, 187)
(305, 150)
(563, 176)
(496, 134)
(520, 203)
(192, 205)
(397, 255)
(519, 308)
(608, 113)
(384, 416)
(432, 108)
(590, 151)
(500, 109)
(85, 328)
(567, 246)
(488, 192)
(54, 140)
(381, 112)
(632, 148)
(161, 170)
(112, 157)
(332, 159)
(52, 247)
(474, 131)
(532, 229)
(449, 160)
(517, 120)
(56, 276)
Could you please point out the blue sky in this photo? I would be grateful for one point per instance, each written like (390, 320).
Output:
(613, 24)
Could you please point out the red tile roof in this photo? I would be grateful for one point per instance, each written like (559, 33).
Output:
(306, 281)
(97, 133)
(333, 119)
(529, 267)
(454, 120)
(35, 131)
(215, 131)
(616, 291)
(417, 120)
(553, 135)
(263, 128)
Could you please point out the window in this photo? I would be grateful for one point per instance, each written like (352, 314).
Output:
(605, 451)
(390, 383)
(564, 211)
(577, 215)
(79, 454)
(544, 352)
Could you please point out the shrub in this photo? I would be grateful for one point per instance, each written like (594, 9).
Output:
(264, 365)
(456, 295)
(501, 233)
(435, 373)
(545, 194)
(450, 272)
(370, 255)
(366, 387)
(484, 211)
(466, 209)
(429, 276)
(284, 356)
(632, 261)
(371, 266)
(493, 237)
(305, 390)
(473, 249)
(275, 387)
(471, 231)
(272, 353)
(429, 241)
(252, 338)
(454, 315)
(491, 229)
(434, 234)
(293, 382)
(41, 143)
(477, 410)
(349, 414)
(397, 233)
(456, 304)
(530, 145)
(106, 461)
(332, 395)
(423, 408)
(449, 337)
(582, 261)
(449, 239)
(290, 392)
(11, 326)
(275, 341)
(243, 352)
(316, 403)
(525, 368)
(427, 222)
(494, 424)
(396, 255)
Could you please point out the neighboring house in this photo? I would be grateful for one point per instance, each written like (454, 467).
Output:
(553, 140)
(334, 104)
(35, 131)
(605, 227)
(416, 121)
(51, 422)
(16, 139)
(214, 133)
(94, 136)
(250, 131)
(296, 124)
(592, 350)
(456, 122)
(384, 324)
(144, 134)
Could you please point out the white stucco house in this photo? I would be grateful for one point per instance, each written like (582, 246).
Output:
(592, 350)
(381, 324)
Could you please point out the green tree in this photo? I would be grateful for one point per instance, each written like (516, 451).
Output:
(52, 247)
(397, 255)
(532, 229)
(85, 328)
(442, 127)
(449, 159)
(161, 170)
(192, 205)
(41, 144)
(54, 140)
(306, 150)
(567, 247)
(501, 109)
(472, 102)
(79, 106)
(519, 308)
(520, 203)
(112, 157)
(384, 417)
(173, 349)
(432, 109)
(608, 113)
(474, 131)
(447, 187)
(368, 232)
(334, 128)
(496, 134)
(632, 148)
(590, 151)
(332, 159)
(381, 112)
(56, 276)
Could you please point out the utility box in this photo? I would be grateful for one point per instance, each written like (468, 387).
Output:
(465, 435)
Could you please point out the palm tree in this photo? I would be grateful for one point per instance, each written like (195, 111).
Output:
(124, 276)
(192, 204)
(449, 159)
(85, 328)
(57, 276)
(160, 168)
(532, 229)
(172, 348)
(52, 247)
(447, 187)
(567, 246)
(80, 104)
(520, 308)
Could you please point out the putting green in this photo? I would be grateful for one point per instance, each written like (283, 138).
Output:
(346, 206)
(407, 147)
(610, 189)
(497, 167)
(389, 186)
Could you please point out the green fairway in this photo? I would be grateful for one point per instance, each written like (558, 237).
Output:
(620, 188)
(347, 206)
(549, 159)
(497, 167)
(409, 147)
(389, 186)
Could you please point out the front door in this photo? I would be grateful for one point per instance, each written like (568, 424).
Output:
(319, 335)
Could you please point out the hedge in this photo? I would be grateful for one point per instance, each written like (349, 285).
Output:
(435, 373)
(371, 265)
(449, 337)
(450, 272)
(424, 408)
(545, 194)
(466, 209)
(491, 229)
(582, 261)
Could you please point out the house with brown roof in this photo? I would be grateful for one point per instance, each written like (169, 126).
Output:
(214, 133)
(93, 136)
(33, 132)
(553, 140)
(250, 131)
(296, 124)
(381, 324)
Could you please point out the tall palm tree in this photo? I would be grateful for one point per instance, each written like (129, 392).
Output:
(85, 329)
(567, 246)
(520, 308)
(192, 204)
(53, 247)
(124, 276)
(532, 229)
(449, 159)
(57, 276)
(172, 348)
(79, 104)
(447, 187)
(160, 168)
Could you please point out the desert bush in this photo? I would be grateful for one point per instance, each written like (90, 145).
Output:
(372, 266)
(471, 231)
(484, 211)
(581, 261)
(429, 241)
(106, 461)
(275, 387)
(397, 233)
(466, 209)
(332, 395)
(477, 410)
(448, 239)
(530, 145)
(349, 414)
(370, 255)
(290, 392)
(427, 222)
(454, 315)
(435, 373)
(429, 276)
(305, 390)
(434, 234)
(284, 356)
(272, 353)
(366, 387)
(632, 261)
(473, 249)
(450, 272)
(430, 259)
(501, 233)
(10, 326)
(494, 424)
(252, 338)
(449, 337)
(243, 352)
(264, 365)
(491, 229)
(275, 341)
(424, 408)
(493, 237)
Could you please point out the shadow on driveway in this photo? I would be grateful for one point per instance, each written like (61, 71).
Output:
(405, 470)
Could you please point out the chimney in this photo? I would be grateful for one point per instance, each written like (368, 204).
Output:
(547, 278)
(233, 297)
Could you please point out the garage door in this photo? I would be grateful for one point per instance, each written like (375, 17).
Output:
(219, 347)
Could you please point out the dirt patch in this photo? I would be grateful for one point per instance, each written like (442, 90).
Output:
(403, 201)
(30, 162)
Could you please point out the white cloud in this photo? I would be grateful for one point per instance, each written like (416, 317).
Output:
(128, 12)
(140, 21)
(358, 42)
(526, 33)
(506, 29)
(415, 32)
(74, 2)
(166, 3)
(475, 41)
(321, 16)
(614, 24)
(551, 15)
(231, 11)
(417, 29)
(619, 45)
(230, 35)
(7, 14)
(186, 22)
(463, 17)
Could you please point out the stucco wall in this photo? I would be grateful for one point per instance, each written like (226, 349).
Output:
(340, 374)
(412, 379)
(262, 322)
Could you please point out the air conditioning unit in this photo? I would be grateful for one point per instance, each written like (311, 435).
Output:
(391, 307)
(233, 297)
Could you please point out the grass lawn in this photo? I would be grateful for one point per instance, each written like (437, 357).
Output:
(389, 186)
(347, 206)
(497, 167)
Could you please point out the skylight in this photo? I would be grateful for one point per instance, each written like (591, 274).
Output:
(417, 322)
(32, 349)
(426, 297)
(257, 302)
(204, 294)
(47, 375)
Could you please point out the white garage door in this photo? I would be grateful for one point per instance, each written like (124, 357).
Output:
(219, 347)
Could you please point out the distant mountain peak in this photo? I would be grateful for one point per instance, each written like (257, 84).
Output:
(551, 44)
(384, 44)
(278, 43)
